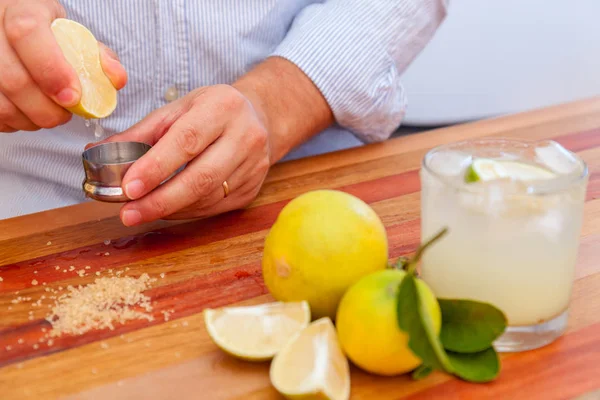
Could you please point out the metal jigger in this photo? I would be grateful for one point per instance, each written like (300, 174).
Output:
(105, 166)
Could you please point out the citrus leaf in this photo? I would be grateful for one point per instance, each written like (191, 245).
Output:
(412, 319)
(421, 372)
(470, 326)
(480, 367)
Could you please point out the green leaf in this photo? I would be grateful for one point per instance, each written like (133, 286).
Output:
(422, 372)
(468, 330)
(412, 319)
(480, 367)
(470, 326)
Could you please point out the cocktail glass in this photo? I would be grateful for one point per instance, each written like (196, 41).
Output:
(513, 240)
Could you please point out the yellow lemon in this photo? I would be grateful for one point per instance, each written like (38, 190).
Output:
(321, 243)
(80, 48)
(367, 324)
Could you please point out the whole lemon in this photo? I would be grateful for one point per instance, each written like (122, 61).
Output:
(321, 243)
(367, 324)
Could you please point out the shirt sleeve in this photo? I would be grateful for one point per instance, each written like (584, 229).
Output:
(354, 51)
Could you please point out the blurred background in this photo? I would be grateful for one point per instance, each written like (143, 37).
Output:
(495, 57)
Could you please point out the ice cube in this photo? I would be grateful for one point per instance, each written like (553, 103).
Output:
(449, 162)
(549, 224)
(500, 197)
(556, 158)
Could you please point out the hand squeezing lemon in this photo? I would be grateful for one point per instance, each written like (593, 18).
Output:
(82, 51)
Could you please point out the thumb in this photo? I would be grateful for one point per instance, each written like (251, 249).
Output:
(112, 66)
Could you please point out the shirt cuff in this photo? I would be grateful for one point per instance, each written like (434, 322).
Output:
(355, 50)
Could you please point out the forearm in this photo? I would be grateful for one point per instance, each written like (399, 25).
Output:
(355, 52)
(289, 104)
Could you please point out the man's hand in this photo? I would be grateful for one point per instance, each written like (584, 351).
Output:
(36, 81)
(220, 133)
(215, 131)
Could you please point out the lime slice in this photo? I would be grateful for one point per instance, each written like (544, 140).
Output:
(312, 365)
(484, 169)
(527, 172)
(256, 332)
(78, 44)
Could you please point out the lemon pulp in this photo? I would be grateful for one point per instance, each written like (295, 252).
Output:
(256, 332)
(312, 365)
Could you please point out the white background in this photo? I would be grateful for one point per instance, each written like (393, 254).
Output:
(493, 57)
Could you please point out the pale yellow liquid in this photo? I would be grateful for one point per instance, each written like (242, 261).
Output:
(517, 253)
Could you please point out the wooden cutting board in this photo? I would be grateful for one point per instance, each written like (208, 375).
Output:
(216, 262)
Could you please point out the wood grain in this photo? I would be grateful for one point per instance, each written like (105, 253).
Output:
(216, 261)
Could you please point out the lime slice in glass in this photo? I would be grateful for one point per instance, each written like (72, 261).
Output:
(484, 169)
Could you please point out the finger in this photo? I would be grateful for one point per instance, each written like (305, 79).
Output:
(189, 136)
(18, 86)
(237, 188)
(13, 118)
(197, 209)
(244, 184)
(6, 129)
(112, 67)
(28, 32)
(150, 129)
(216, 203)
(223, 206)
(199, 179)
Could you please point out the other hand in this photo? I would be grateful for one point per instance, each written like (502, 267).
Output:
(219, 134)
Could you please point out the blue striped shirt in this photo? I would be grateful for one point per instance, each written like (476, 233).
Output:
(353, 50)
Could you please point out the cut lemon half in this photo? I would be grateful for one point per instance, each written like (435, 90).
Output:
(312, 365)
(483, 169)
(80, 48)
(256, 332)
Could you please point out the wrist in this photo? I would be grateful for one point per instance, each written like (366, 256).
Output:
(249, 88)
(287, 102)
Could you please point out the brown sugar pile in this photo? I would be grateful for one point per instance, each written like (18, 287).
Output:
(100, 305)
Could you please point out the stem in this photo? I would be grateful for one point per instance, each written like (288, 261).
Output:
(400, 263)
(412, 264)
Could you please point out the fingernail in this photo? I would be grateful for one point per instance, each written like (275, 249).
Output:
(131, 217)
(67, 97)
(134, 189)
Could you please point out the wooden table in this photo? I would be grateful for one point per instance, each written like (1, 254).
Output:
(216, 262)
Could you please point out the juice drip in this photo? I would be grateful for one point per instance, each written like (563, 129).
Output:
(98, 130)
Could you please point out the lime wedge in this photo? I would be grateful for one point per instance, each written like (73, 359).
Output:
(80, 48)
(484, 169)
(526, 172)
(256, 332)
(312, 365)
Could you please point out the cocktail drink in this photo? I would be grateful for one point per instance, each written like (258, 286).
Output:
(513, 210)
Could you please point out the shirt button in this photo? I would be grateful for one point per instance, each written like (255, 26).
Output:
(171, 94)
